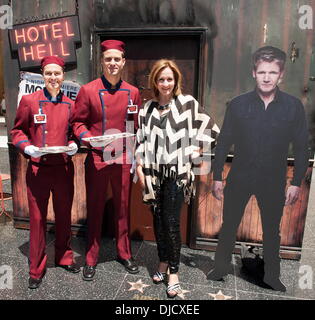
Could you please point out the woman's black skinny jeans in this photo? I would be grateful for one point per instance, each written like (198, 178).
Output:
(166, 220)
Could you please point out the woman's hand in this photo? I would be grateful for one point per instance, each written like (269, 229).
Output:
(141, 176)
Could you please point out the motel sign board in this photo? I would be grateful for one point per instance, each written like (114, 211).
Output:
(54, 37)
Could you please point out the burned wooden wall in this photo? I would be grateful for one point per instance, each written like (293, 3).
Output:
(237, 28)
(209, 218)
(234, 30)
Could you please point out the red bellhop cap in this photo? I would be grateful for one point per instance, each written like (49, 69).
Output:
(113, 44)
(52, 59)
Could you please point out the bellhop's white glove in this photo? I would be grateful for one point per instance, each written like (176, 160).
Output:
(33, 151)
(74, 148)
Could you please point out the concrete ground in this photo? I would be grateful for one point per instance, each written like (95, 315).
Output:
(112, 282)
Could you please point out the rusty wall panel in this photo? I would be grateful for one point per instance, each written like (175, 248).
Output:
(83, 73)
(1, 68)
(11, 83)
(39, 9)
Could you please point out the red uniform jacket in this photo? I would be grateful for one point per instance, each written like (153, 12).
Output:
(98, 108)
(55, 132)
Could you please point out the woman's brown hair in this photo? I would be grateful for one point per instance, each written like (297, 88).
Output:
(157, 68)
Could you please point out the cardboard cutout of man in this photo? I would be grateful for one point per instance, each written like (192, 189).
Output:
(261, 125)
(43, 120)
(102, 105)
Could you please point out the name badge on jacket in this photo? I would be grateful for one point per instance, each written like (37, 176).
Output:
(40, 118)
(132, 108)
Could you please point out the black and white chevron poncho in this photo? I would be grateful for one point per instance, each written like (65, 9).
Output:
(167, 149)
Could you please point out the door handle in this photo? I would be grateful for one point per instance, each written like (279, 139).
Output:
(312, 78)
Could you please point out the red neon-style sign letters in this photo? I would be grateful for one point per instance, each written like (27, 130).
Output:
(50, 37)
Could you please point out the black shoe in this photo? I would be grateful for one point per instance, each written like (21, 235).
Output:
(34, 283)
(129, 265)
(275, 284)
(73, 268)
(88, 273)
(215, 275)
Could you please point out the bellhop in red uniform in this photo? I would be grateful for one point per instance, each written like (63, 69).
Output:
(107, 105)
(43, 120)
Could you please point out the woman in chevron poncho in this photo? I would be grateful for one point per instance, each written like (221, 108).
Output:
(174, 132)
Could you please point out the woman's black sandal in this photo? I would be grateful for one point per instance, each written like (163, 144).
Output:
(161, 277)
(175, 287)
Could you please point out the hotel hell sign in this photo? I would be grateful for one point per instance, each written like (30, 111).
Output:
(55, 37)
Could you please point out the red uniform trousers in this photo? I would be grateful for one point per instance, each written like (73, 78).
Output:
(41, 180)
(97, 177)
